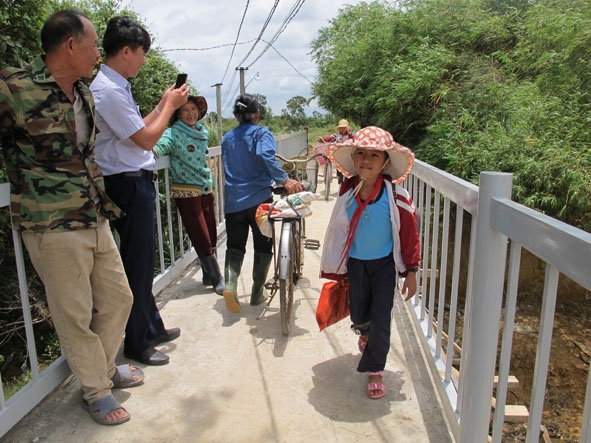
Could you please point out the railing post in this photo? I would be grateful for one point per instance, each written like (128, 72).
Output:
(483, 320)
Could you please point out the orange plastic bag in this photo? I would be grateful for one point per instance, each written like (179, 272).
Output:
(333, 304)
(262, 218)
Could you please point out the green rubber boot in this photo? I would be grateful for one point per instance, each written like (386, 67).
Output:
(260, 269)
(234, 259)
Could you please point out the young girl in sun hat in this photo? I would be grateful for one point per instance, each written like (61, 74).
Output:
(371, 236)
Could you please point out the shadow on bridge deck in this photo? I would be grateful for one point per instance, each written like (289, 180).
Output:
(233, 378)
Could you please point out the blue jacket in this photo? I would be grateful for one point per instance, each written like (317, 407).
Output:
(250, 166)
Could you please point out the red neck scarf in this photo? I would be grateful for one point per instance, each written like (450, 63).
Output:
(361, 205)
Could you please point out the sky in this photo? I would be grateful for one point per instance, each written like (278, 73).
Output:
(207, 31)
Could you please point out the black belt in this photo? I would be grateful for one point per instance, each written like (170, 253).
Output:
(142, 173)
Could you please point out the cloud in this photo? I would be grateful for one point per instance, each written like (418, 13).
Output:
(191, 24)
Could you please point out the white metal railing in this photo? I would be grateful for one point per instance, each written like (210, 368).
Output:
(172, 262)
(292, 145)
(173, 257)
(457, 289)
(443, 305)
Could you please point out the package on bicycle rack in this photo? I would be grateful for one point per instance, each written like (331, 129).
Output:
(302, 211)
(297, 200)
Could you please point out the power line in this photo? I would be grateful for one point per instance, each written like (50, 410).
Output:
(236, 41)
(262, 31)
(209, 48)
(294, 11)
(267, 21)
(269, 44)
(289, 63)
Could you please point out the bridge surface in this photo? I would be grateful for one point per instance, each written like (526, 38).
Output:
(233, 378)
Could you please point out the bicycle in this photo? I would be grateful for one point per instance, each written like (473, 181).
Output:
(323, 160)
(288, 253)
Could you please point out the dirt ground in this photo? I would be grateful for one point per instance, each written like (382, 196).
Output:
(568, 371)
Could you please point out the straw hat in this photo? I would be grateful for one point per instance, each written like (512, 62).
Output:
(372, 137)
(343, 123)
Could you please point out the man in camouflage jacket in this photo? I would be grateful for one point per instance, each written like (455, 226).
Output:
(58, 203)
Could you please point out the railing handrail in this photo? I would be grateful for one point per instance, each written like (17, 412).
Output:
(496, 222)
(171, 267)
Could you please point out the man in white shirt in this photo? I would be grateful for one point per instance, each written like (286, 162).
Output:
(124, 152)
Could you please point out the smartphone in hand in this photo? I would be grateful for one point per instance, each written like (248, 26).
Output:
(181, 79)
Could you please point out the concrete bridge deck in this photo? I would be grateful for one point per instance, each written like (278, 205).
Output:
(233, 378)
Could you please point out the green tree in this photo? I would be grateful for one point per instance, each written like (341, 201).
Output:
(265, 110)
(295, 107)
(159, 72)
(471, 86)
(20, 26)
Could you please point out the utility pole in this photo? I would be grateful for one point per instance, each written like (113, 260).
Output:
(242, 87)
(218, 97)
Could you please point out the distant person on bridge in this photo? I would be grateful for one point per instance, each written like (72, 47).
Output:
(371, 236)
(250, 166)
(186, 144)
(343, 133)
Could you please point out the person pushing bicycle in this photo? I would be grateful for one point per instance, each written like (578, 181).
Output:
(250, 166)
(342, 134)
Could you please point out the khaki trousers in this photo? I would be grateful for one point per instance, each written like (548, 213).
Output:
(89, 299)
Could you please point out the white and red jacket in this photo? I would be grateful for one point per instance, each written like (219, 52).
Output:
(407, 248)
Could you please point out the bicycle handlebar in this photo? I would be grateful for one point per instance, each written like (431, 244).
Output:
(279, 190)
(298, 160)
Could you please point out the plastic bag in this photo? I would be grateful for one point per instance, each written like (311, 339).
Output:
(333, 304)
(262, 219)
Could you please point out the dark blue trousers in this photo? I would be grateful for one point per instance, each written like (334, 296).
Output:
(237, 226)
(135, 196)
(371, 299)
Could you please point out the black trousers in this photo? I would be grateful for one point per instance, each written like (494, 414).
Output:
(371, 299)
(237, 226)
(135, 196)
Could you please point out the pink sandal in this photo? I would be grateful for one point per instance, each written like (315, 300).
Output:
(362, 344)
(376, 390)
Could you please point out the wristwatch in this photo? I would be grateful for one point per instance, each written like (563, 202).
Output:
(413, 270)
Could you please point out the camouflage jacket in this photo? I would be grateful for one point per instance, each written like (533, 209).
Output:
(50, 177)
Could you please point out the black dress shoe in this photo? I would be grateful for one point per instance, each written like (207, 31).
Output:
(148, 356)
(167, 335)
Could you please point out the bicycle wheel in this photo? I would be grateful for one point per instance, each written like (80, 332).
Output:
(287, 272)
(327, 179)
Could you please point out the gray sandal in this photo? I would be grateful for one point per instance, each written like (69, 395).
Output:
(99, 409)
(124, 377)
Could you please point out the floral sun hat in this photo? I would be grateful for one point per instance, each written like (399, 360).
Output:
(371, 137)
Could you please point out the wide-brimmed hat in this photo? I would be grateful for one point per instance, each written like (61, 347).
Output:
(201, 104)
(372, 137)
(343, 123)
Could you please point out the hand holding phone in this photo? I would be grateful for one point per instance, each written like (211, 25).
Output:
(181, 79)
